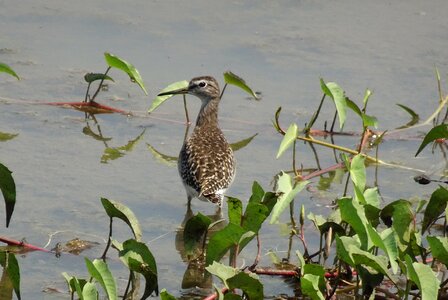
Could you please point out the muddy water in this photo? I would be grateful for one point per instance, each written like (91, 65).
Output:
(280, 48)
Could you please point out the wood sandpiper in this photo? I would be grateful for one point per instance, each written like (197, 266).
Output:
(206, 163)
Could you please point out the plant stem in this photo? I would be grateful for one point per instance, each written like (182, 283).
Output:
(103, 257)
(99, 86)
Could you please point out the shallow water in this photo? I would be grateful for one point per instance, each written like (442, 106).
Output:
(280, 48)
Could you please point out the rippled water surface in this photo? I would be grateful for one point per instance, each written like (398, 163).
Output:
(281, 48)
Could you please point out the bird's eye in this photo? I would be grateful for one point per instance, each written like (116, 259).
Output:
(202, 84)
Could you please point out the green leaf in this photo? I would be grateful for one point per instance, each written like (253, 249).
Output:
(336, 93)
(222, 271)
(160, 99)
(250, 285)
(438, 132)
(89, 292)
(367, 95)
(222, 241)
(243, 143)
(435, 208)
(6, 69)
(91, 77)
(400, 212)
(4, 136)
(235, 210)
(116, 62)
(439, 248)
(138, 258)
(288, 192)
(344, 244)
(117, 152)
(98, 269)
(425, 279)
(11, 275)
(372, 197)
(289, 139)
(369, 121)
(358, 172)
(164, 295)
(309, 284)
(353, 213)
(118, 210)
(163, 158)
(8, 187)
(414, 117)
(194, 232)
(233, 79)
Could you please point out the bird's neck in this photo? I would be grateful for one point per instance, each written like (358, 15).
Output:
(208, 115)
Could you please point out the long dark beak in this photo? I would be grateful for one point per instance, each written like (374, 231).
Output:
(175, 92)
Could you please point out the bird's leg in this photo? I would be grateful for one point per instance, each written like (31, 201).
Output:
(189, 202)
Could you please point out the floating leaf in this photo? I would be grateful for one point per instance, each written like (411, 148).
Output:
(439, 248)
(233, 79)
(289, 138)
(99, 270)
(4, 136)
(194, 232)
(160, 99)
(336, 93)
(436, 207)
(116, 62)
(438, 132)
(249, 284)
(139, 258)
(414, 117)
(288, 192)
(117, 152)
(91, 77)
(6, 69)
(8, 187)
(163, 158)
(117, 210)
(243, 143)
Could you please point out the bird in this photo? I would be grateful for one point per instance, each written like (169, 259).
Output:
(206, 162)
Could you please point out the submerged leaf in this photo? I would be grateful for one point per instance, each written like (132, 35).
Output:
(160, 99)
(194, 232)
(7, 69)
(438, 132)
(8, 187)
(414, 116)
(4, 136)
(116, 62)
(112, 153)
(233, 79)
(163, 158)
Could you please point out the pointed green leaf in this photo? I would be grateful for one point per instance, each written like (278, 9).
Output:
(91, 77)
(289, 139)
(233, 79)
(222, 241)
(249, 284)
(6, 69)
(164, 295)
(89, 292)
(369, 121)
(344, 244)
(367, 95)
(310, 286)
(117, 152)
(425, 279)
(138, 258)
(243, 143)
(118, 210)
(435, 208)
(336, 93)
(353, 213)
(8, 187)
(235, 210)
(438, 132)
(222, 271)
(358, 172)
(11, 275)
(160, 99)
(439, 248)
(4, 136)
(116, 62)
(99, 270)
(287, 193)
(194, 233)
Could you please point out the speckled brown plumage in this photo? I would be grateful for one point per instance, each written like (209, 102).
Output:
(206, 163)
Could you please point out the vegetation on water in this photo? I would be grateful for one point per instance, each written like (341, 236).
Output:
(393, 251)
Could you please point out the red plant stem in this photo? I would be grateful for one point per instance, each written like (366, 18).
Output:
(12, 242)
(215, 295)
(87, 105)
